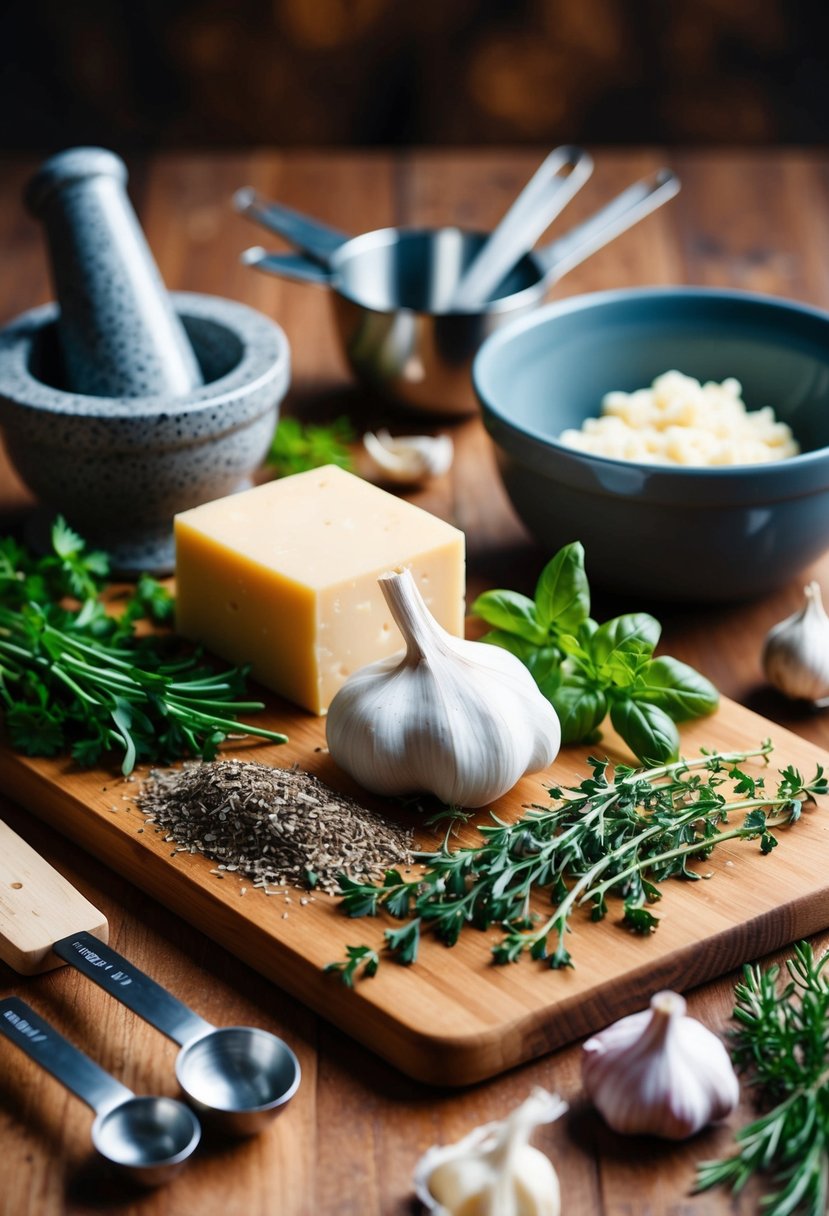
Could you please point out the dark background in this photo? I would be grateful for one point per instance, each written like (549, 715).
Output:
(212, 73)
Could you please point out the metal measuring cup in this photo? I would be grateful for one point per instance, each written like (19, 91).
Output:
(238, 1077)
(389, 289)
(147, 1139)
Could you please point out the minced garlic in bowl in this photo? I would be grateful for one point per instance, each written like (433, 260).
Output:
(678, 421)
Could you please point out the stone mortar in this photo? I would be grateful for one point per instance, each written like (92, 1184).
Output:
(119, 468)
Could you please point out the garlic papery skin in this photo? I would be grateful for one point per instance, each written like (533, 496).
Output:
(409, 459)
(494, 1171)
(795, 655)
(659, 1072)
(461, 720)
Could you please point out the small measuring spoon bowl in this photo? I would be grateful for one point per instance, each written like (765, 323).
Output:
(146, 1139)
(238, 1077)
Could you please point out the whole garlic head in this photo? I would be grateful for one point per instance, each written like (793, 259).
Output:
(461, 720)
(796, 651)
(409, 459)
(659, 1072)
(494, 1171)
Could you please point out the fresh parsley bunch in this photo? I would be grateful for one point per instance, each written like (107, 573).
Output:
(588, 670)
(297, 447)
(77, 678)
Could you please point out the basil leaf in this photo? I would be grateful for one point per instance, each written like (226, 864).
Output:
(580, 707)
(562, 596)
(512, 613)
(677, 689)
(541, 661)
(648, 731)
(631, 635)
(627, 664)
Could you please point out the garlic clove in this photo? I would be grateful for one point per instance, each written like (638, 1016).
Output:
(494, 1171)
(408, 459)
(659, 1072)
(795, 655)
(461, 720)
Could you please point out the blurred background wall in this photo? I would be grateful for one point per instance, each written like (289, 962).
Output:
(150, 73)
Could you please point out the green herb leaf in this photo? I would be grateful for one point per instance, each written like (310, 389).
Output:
(648, 731)
(677, 689)
(404, 942)
(357, 957)
(639, 919)
(562, 594)
(631, 635)
(298, 447)
(581, 708)
(542, 662)
(512, 613)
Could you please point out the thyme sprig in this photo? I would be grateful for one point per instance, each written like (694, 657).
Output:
(616, 834)
(781, 1044)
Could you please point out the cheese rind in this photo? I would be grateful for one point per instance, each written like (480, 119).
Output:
(284, 577)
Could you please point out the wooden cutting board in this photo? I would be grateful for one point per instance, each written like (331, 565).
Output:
(454, 1018)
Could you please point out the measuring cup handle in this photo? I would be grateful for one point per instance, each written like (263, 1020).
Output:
(308, 235)
(287, 266)
(622, 213)
(48, 1048)
(137, 991)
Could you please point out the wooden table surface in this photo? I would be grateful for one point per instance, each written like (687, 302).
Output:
(347, 1144)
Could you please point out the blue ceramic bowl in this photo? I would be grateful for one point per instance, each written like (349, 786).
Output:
(681, 533)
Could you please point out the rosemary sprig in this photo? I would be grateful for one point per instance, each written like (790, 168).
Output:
(781, 1044)
(619, 836)
(75, 678)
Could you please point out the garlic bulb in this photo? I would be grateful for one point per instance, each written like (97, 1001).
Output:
(462, 720)
(409, 459)
(659, 1072)
(796, 651)
(494, 1171)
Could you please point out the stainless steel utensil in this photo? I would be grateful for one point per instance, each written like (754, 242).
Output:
(545, 195)
(237, 1076)
(145, 1138)
(388, 289)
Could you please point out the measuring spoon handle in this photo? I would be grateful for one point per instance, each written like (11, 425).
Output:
(287, 266)
(132, 987)
(310, 236)
(546, 194)
(632, 205)
(48, 1048)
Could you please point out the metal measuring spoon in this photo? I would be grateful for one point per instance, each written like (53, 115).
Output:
(545, 195)
(238, 1076)
(147, 1139)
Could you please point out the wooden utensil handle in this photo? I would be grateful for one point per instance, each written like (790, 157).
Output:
(37, 907)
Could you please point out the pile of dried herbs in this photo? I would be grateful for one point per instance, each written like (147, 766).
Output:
(276, 826)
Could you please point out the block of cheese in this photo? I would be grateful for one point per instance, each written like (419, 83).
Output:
(284, 577)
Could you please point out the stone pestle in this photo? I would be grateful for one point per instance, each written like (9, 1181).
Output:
(118, 332)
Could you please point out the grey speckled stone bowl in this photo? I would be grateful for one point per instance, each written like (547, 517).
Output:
(120, 468)
(680, 533)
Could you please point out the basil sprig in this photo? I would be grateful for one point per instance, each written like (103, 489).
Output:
(588, 670)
